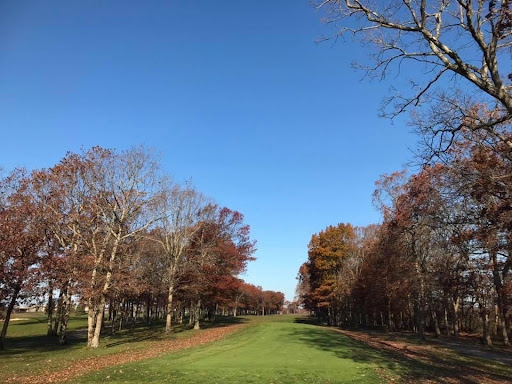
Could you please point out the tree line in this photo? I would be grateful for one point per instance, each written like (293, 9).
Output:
(442, 257)
(109, 230)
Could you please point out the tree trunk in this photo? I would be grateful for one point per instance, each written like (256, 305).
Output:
(486, 337)
(436, 323)
(421, 303)
(169, 309)
(92, 314)
(197, 314)
(95, 341)
(498, 284)
(112, 315)
(122, 312)
(91, 321)
(58, 313)
(456, 305)
(390, 317)
(8, 316)
(180, 314)
(495, 323)
(110, 309)
(49, 310)
(148, 310)
(503, 327)
(66, 309)
(138, 311)
(447, 326)
(191, 314)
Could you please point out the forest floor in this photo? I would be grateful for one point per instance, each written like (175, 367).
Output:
(452, 360)
(471, 346)
(270, 349)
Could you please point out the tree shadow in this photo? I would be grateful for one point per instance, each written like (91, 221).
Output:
(155, 332)
(431, 367)
(131, 333)
(307, 320)
(22, 344)
(222, 321)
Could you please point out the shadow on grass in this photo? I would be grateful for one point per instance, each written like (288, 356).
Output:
(223, 321)
(307, 320)
(156, 332)
(130, 334)
(436, 368)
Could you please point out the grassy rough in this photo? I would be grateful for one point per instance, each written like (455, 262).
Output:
(30, 352)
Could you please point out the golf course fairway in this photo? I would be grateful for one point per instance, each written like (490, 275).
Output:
(272, 349)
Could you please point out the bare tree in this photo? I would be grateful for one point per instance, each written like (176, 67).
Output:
(469, 39)
(124, 190)
(97, 201)
(182, 207)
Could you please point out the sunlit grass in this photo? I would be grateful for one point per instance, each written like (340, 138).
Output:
(274, 349)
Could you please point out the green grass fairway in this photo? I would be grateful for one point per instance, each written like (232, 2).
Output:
(274, 349)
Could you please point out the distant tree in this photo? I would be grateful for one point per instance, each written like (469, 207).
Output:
(274, 301)
(327, 252)
(303, 290)
(221, 247)
(249, 296)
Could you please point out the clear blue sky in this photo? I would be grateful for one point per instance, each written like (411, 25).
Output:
(235, 95)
